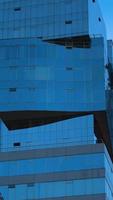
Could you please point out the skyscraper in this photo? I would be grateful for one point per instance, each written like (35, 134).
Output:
(55, 101)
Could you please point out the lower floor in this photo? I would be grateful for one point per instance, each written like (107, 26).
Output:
(72, 173)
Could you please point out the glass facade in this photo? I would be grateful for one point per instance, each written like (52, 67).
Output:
(49, 77)
(56, 125)
(57, 189)
(59, 18)
(83, 172)
(49, 165)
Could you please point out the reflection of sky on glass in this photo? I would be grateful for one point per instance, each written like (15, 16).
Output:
(107, 11)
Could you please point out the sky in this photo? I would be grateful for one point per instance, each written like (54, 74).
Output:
(107, 11)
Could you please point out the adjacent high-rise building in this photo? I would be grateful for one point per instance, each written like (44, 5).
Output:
(56, 101)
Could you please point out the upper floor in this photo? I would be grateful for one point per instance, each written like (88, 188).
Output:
(51, 20)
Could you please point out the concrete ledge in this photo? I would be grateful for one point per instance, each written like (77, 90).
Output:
(52, 152)
(85, 197)
(51, 177)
